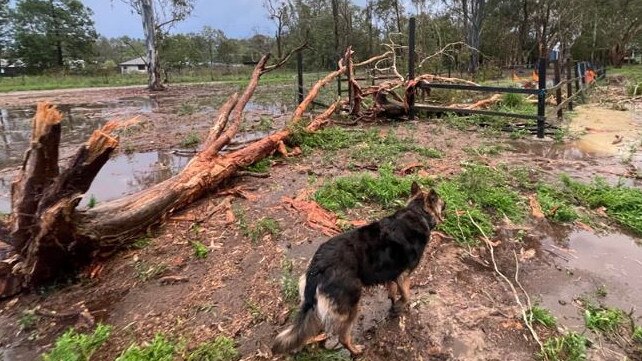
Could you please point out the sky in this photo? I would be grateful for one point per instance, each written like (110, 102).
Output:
(237, 18)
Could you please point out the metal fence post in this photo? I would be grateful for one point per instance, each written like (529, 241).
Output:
(411, 66)
(558, 91)
(299, 69)
(541, 98)
(569, 84)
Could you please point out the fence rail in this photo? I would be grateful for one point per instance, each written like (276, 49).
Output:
(576, 73)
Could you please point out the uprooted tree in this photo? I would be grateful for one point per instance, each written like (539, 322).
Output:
(50, 236)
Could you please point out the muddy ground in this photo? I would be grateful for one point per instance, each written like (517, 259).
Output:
(460, 310)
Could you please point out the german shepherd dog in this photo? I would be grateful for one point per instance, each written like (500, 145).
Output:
(383, 252)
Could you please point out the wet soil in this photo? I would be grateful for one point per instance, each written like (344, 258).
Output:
(460, 309)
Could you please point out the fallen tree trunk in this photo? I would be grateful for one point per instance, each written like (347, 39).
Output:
(50, 236)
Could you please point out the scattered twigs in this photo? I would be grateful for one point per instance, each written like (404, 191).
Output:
(524, 309)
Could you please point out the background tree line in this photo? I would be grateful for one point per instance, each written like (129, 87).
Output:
(57, 34)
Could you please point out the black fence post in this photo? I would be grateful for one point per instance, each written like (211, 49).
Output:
(541, 98)
(299, 70)
(569, 84)
(558, 91)
(411, 66)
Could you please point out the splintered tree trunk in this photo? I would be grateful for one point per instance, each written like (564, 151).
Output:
(149, 26)
(49, 236)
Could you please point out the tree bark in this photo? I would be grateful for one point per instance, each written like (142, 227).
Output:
(153, 65)
(50, 236)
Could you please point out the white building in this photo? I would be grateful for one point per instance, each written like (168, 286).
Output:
(134, 66)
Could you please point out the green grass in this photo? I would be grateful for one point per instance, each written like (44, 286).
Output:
(569, 347)
(160, 349)
(387, 189)
(637, 334)
(257, 231)
(512, 101)
(146, 271)
(289, 283)
(191, 140)
(321, 355)
(200, 250)
(141, 243)
(92, 201)
(62, 81)
(632, 72)
(479, 192)
(28, 319)
(622, 204)
(603, 319)
(542, 316)
(74, 346)
(220, 349)
(555, 204)
(265, 124)
(262, 166)
(364, 145)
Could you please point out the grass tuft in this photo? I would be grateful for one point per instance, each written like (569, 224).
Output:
(569, 347)
(160, 349)
(74, 346)
(554, 205)
(191, 140)
(603, 319)
(637, 334)
(289, 283)
(220, 349)
(621, 203)
(200, 250)
(262, 166)
(28, 320)
(92, 201)
(542, 316)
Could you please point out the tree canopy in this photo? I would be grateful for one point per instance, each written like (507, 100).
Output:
(51, 33)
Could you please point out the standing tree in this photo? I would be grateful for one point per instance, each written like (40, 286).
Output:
(158, 16)
(5, 22)
(50, 32)
(278, 12)
(212, 38)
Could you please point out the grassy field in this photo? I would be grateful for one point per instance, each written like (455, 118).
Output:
(61, 81)
(632, 72)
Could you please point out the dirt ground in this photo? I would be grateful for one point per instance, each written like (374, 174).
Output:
(460, 309)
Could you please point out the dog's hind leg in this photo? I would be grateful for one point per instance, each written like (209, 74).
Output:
(392, 291)
(403, 282)
(345, 337)
(403, 285)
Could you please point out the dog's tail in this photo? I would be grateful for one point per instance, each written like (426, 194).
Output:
(306, 325)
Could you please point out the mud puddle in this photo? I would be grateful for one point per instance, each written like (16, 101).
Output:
(79, 121)
(121, 175)
(581, 264)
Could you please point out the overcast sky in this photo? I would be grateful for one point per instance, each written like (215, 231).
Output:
(237, 18)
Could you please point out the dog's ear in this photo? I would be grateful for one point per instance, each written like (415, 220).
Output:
(433, 197)
(415, 189)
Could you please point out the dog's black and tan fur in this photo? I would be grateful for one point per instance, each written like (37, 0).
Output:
(383, 252)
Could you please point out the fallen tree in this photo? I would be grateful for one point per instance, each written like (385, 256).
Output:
(50, 236)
